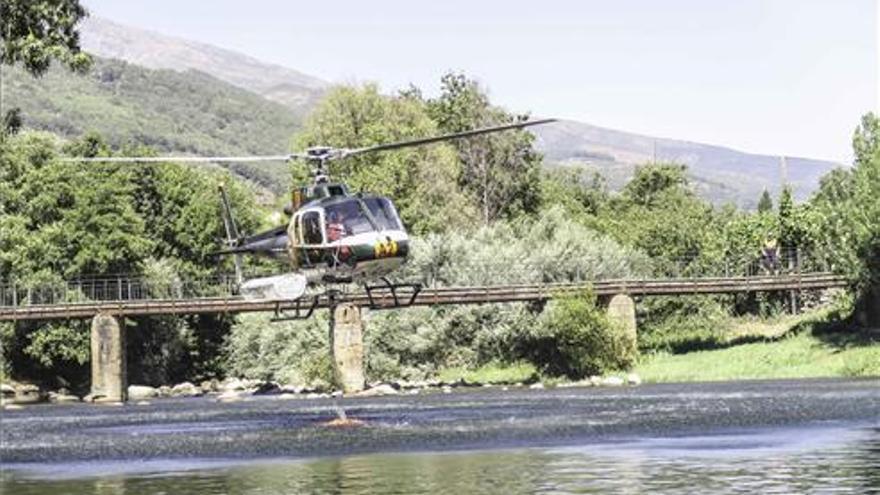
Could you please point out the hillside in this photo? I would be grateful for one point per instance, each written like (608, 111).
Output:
(210, 102)
(291, 88)
(720, 174)
(174, 112)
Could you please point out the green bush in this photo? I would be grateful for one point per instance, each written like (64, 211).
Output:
(681, 323)
(293, 352)
(578, 339)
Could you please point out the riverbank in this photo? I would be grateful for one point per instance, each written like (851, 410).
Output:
(811, 345)
(792, 356)
(815, 344)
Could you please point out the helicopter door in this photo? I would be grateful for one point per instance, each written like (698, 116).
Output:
(313, 239)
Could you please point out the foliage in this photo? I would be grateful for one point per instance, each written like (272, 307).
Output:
(681, 324)
(421, 180)
(578, 340)
(62, 220)
(493, 372)
(846, 211)
(805, 349)
(651, 182)
(294, 352)
(500, 170)
(765, 204)
(168, 111)
(415, 343)
(660, 215)
(580, 192)
(34, 32)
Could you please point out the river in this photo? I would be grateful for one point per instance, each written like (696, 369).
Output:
(737, 437)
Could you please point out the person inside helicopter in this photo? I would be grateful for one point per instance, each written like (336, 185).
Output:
(347, 218)
(336, 226)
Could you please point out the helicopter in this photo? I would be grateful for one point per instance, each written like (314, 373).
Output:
(333, 236)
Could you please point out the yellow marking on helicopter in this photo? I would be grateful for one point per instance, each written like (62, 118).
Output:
(385, 249)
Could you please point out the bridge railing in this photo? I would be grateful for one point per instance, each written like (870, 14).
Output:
(123, 287)
(116, 288)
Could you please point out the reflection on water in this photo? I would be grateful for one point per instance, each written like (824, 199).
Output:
(767, 461)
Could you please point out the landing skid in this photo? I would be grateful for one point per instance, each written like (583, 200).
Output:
(404, 300)
(301, 309)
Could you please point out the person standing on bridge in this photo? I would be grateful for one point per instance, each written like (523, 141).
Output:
(770, 256)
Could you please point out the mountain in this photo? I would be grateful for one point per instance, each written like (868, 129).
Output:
(184, 96)
(149, 49)
(720, 174)
(175, 112)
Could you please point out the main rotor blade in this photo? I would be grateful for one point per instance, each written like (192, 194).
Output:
(444, 137)
(185, 159)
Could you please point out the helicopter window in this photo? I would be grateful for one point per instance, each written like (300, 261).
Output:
(346, 218)
(384, 213)
(312, 231)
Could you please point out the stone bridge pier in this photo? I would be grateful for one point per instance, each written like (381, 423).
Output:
(347, 347)
(109, 371)
(621, 309)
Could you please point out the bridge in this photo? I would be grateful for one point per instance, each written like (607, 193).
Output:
(105, 299)
(133, 299)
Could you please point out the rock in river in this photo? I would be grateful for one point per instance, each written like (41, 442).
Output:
(26, 393)
(186, 389)
(382, 389)
(141, 392)
(62, 398)
(612, 381)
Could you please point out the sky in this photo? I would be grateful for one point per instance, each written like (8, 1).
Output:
(779, 77)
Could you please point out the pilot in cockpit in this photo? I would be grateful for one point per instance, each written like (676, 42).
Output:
(336, 226)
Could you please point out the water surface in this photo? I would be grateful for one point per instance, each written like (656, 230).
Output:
(746, 437)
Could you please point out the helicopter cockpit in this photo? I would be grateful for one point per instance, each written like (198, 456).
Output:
(345, 217)
(355, 216)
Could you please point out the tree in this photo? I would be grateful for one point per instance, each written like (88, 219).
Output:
(580, 192)
(420, 180)
(847, 210)
(61, 220)
(35, 32)
(502, 171)
(765, 204)
(785, 218)
(655, 179)
(864, 211)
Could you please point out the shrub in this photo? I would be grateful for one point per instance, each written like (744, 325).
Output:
(578, 339)
(682, 323)
(294, 352)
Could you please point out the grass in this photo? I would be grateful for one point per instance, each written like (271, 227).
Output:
(808, 346)
(811, 345)
(495, 373)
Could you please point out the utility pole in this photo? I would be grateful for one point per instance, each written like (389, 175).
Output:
(783, 171)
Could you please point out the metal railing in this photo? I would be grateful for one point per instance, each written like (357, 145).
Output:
(137, 287)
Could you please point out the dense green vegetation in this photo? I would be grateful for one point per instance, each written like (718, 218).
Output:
(169, 111)
(482, 212)
(417, 342)
(62, 220)
(815, 345)
(33, 33)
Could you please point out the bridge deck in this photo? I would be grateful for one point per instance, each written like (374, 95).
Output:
(427, 297)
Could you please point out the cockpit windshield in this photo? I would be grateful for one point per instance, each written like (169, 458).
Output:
(384, 213)
(347, 218)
